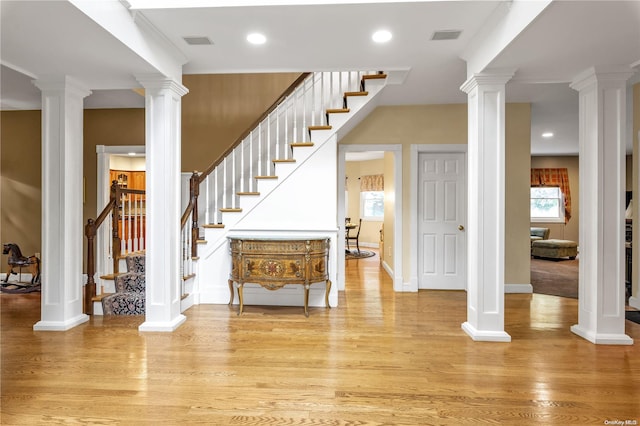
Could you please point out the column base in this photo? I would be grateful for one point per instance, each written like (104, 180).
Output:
(166, 326)
(602, 338)
(634, 302)
(60, 325)
(485, 336)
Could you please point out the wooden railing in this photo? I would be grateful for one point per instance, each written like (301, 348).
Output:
(126, 209)
(304, 104)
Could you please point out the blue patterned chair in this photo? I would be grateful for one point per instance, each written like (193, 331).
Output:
(129, 298)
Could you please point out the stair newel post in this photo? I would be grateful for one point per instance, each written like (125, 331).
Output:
(194, 189)
(115, 219)
(90, 286)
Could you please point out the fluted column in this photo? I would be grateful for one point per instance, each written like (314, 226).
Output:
(486, 215)
(62, 238)
(602, 122)
(163, 145)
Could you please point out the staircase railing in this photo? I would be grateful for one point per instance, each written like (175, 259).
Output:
(305, 105)
(127, 225)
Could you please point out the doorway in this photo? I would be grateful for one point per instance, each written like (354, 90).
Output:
(393, 204)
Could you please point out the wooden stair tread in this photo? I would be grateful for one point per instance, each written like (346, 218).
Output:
(266, 177)
(373, 76)
(324, 127)
(201, 241)
(99, 297)
(109, 276)
(284, 160)
(356, 93)
(247, 193)
(301, 144)
(338, 110)
(213, 225)
(230, 210)
(188, 277)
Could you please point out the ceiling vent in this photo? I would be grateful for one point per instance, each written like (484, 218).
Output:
(197, 40)
(446, 35)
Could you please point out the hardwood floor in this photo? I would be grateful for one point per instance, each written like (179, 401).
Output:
(380, 358)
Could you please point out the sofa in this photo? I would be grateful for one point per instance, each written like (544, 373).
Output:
(539, 234)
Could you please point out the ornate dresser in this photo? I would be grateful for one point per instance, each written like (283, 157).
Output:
(274, 263)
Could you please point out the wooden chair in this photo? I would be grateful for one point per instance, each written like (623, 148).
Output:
(356, 238)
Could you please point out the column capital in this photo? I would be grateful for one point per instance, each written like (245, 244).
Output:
(62, 83)
(601, 74)
(160, 82)
(490, 77)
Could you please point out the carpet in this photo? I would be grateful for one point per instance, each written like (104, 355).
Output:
(555, 277)
(353, 254)
(12, 288)
(633, 316)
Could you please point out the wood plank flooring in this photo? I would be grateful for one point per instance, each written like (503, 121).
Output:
(380, 358)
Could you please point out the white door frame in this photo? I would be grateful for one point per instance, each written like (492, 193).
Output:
(417, 149)
(396, 149)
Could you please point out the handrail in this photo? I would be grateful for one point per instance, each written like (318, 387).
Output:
(90, 231)
(253, 125)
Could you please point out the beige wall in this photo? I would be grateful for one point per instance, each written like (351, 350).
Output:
(446, 124)
(568, 231)
(370, 232)
(20, 164)
(390, 188)
(517, 205)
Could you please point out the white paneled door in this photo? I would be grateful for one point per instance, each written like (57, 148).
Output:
(442, 241)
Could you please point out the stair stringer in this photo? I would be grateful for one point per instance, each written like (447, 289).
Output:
(303, 205)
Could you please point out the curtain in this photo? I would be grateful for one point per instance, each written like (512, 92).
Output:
(372, 183)
(554, 177)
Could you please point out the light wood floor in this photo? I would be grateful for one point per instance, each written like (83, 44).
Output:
(378, 359)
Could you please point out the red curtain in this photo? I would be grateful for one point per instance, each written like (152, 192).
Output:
(554, 177)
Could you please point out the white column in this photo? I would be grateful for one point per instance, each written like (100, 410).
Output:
(62, 227)
(602, 112)
(163, 130)
(486, 215)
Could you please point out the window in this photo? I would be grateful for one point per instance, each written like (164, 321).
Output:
(547, 204)
(372, 205)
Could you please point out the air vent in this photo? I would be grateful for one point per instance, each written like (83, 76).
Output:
(197, 40)
(446, 35)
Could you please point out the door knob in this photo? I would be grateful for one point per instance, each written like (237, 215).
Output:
(460, 228)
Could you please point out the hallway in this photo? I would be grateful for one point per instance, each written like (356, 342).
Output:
(379, 358)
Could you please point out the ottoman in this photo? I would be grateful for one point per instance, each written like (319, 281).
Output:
(554, 249)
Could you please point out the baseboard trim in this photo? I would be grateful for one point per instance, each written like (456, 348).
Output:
(518, 288)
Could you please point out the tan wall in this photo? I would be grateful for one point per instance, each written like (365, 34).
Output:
(20, 166)
(517, 204)
(370, 232)
(568, 231)
(636, 204)
(219, 107)
(436, 124)
(390, 188)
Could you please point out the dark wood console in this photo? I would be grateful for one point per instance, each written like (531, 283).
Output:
(273, 263)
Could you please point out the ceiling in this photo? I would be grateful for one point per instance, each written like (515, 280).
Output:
(562, 41)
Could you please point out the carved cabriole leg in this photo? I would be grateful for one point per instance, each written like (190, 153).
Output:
(240, 298)
(231, 292)
(326, 294)
(306, 300)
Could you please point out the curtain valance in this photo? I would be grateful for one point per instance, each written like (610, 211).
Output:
(554, 177)
(372, 183)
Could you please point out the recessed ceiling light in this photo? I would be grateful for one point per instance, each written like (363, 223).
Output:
(256, 38)
(381, 36)
(547, 135)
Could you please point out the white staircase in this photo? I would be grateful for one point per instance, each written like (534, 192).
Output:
(279, 181)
